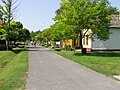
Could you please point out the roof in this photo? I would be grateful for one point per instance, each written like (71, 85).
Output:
(115, 22)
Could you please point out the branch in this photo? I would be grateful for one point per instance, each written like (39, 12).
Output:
(85, 33)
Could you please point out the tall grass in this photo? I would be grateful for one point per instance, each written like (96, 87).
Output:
(13, 74)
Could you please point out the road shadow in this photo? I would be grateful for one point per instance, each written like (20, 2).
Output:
(37, 48)
(29, 48)
(33, 47)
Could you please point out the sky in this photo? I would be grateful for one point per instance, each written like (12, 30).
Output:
(37, 14)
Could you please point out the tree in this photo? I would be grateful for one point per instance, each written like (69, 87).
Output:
(8, 12)
(24, 35)
(33, 34)
(86, 15)
(46, 35)
(2, 34)
(56, 32)
(18, 33)
(14, 28)
(113, 10)
(0, 12)
(39, 37)
(62, 31)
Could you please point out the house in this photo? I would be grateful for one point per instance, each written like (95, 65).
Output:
(113, 43)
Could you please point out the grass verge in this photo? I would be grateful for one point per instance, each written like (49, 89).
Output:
(13, 68)
(107, 63)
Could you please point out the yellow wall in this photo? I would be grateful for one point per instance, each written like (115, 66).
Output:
(68, 42)
(77, 43)
(71, 43)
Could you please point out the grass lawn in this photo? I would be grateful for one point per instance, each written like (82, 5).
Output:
(107, 63)
(13, 68)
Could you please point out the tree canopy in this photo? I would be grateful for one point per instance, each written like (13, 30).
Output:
(16, 33)
(8, 13)
(86, 15)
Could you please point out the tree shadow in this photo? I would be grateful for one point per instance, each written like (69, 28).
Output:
(30, 49)
(101, 53)
(33, 47)
(19, 50)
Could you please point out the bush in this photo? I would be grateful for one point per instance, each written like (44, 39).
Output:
(68, 48)
(42, 44)
(47, 45)
(57, 46)
(4, 47)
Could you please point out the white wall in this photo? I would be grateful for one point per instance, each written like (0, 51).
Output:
(112, 43)
(89, 39)
(89, 43)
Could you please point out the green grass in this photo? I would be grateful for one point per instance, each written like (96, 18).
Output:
(107, 63)
(13, 68)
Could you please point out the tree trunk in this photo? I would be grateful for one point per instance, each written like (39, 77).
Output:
(83, 50)
(7, 44)
(74, 43)
(61, 44)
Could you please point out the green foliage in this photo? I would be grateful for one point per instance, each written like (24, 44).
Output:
(16, 33)
(8, 13)
(23, 34)
(56, 32)
(39, 36)
(47, 45)
(113, 10)
(33, 35)
(68, 48)
(85, 14)
(46, 34)
(57, 46)
(3, 34)
(62, 31)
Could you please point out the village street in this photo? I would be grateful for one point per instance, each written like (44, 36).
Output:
(49, 71)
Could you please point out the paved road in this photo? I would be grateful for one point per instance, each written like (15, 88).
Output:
(48, 71)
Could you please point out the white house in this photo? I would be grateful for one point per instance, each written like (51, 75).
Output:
(113, 43)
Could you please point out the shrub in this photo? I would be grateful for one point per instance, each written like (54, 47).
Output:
(47, 45)
(57, 46)
(68, 48)
(4, 47)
